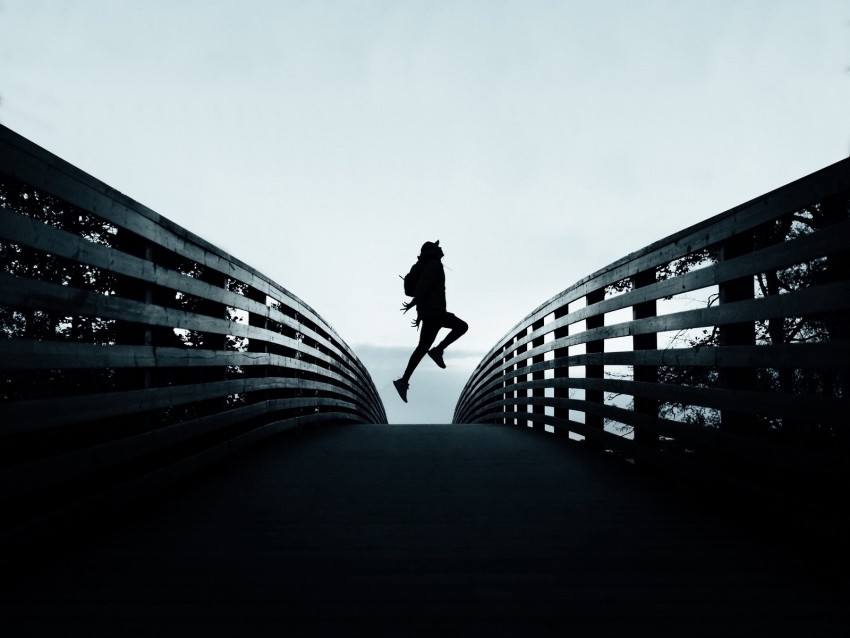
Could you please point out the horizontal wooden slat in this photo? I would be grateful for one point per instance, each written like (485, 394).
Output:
(47, 355)
(831, 355)
(810, 301)
(115, 494)
(827, 355)
(28, 293)
(768, 453)
(800, 407)
(20, 480)
(745, 448)
(22, 292)
(827, 298)
(29, 416)
(23, 354)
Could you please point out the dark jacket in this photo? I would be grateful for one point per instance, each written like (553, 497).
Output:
(431, 290)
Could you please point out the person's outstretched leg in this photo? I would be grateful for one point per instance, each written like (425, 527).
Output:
(428, 332)
(427, 335)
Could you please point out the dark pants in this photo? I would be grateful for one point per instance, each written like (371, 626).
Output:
(428, 333)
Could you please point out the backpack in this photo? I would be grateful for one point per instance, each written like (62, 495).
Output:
(411, 278)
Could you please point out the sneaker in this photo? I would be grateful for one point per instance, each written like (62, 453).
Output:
(401, 387)
(437, 356)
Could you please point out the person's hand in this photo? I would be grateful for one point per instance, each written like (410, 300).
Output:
(415, 323)
(405, 306)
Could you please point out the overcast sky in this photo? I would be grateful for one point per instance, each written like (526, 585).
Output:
(324, 142)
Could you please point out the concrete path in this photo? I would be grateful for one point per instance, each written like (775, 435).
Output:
(427, 530)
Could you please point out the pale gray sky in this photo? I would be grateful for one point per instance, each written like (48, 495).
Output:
(323, 142)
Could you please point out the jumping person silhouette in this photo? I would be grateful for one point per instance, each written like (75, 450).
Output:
(430, 300)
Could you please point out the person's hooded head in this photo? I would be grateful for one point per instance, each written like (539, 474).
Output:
(431, 250)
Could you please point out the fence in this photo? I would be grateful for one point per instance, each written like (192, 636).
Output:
(134, 352)
(720, 351)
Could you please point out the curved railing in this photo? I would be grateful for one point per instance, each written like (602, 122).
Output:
(133, 351)
(721, 350)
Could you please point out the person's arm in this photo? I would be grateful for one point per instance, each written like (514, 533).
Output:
(407, 305)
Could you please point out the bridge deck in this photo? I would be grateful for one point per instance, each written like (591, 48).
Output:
(403, 530)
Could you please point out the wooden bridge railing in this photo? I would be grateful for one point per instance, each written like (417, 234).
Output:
(721, 351)
(132, 351)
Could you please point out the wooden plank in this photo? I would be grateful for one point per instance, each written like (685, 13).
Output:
(30, 355)
(23, 354)
(827, 355)
(763, 403)
(61, 353)
(820, 299)
(40, 295)
(114, 495)
(756, 450)
(30, 416)
(20, 480)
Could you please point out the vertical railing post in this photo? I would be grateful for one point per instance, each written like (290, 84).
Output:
(214, 309)
(835, 210)
(644, 373)
(738, 333)
(538, 375)
(132, 333)
(255, 344)
(495, 413)
(137, 290)
(595, 371)
(512, 395)
(506, 383)
(562, 371)
(214, 341)
(521, 379)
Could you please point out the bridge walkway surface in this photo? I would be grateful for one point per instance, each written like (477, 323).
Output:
(442, 530)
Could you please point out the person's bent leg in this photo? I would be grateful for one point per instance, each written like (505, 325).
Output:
(457, 327)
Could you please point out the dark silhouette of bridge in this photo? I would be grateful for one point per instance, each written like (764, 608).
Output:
(187, 447)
